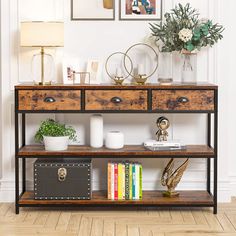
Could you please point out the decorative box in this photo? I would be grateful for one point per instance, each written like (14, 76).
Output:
(67, 179)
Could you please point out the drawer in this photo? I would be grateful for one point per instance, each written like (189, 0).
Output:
(49, 100)
(116, 100)
(183, 100)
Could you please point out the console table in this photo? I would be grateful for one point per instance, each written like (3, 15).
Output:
(152, 98)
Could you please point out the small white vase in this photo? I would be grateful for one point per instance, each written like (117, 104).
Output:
(114, 140)
(56, 143)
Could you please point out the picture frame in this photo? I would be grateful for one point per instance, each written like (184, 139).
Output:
(92, 10)
(147, 10)
(94, 68)
(68, 68)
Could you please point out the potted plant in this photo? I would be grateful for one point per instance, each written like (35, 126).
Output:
(182, 31)
(54, 135)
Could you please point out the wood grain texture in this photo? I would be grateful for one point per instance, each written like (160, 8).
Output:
(35, 100)
(186, 198)
(112, 86)
(115, 222)
(137, 151)
(102, 100)
(198, 100)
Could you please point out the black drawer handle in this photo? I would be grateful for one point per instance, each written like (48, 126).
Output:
(49, 99)
(116, 100)
(183, 100)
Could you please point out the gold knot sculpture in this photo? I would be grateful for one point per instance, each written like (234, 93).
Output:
(170, 178)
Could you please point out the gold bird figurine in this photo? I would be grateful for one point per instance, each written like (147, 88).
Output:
(171, 178)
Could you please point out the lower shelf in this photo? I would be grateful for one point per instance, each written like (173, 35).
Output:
(155, 198)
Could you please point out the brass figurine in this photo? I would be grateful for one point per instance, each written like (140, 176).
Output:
(140, 79)
(171, 178)
(162, 124)
(118, 80)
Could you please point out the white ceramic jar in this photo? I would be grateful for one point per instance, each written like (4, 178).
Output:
(114, 140)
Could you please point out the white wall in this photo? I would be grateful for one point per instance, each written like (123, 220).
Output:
(89, 40)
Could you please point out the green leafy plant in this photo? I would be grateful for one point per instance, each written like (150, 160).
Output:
(182, 30)
(52, 128)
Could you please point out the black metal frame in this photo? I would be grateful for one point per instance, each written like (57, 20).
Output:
(209, 114)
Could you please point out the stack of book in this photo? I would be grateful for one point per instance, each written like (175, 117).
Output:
(124, 181)
(154, 145)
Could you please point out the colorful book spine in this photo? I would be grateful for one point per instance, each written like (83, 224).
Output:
(116, 181)
(123, 181)
(133, 182)
(120, 179)
(130, 181)
(109, 181)
(127, 181)
(140, 182)
(112, 181)
(137, 181)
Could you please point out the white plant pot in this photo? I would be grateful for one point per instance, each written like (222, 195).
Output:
(56, 143)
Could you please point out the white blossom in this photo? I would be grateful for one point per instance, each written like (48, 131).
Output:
(185, 35)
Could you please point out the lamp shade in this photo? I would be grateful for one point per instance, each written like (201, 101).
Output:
(42, 34)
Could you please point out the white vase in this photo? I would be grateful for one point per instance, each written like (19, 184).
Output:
(189, 68)
(96, 131)
(56, 143)
(114, 140)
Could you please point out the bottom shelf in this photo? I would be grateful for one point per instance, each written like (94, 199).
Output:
(155, 198)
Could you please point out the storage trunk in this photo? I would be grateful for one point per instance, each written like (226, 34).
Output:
(62, 179)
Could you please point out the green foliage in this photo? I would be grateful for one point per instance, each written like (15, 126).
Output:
(185, 17)
(52, 128)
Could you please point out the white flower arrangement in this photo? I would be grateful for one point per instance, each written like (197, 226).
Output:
(183, 30)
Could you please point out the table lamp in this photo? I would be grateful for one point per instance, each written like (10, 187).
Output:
(42, 35)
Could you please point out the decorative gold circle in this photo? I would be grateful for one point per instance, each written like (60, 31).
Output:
(113, 54)
(142, 44)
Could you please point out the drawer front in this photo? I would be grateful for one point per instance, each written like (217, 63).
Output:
(116, 100)
(183, 100)
(49, 100)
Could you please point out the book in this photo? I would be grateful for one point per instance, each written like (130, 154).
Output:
(133, 181)
(165, 148)
(127, 180)
(137, 181)
(130, 181)
(112, 181)
(140, 182)
(109, 180)
(123, 181)
(116, 181)
(171, 143)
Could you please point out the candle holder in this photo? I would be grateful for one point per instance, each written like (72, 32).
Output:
(118, 78)
(140, 77)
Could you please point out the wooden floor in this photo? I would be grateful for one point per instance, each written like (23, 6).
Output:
(147, 222)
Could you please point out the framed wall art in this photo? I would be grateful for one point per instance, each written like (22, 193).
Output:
(92, 9)
(140, 9)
